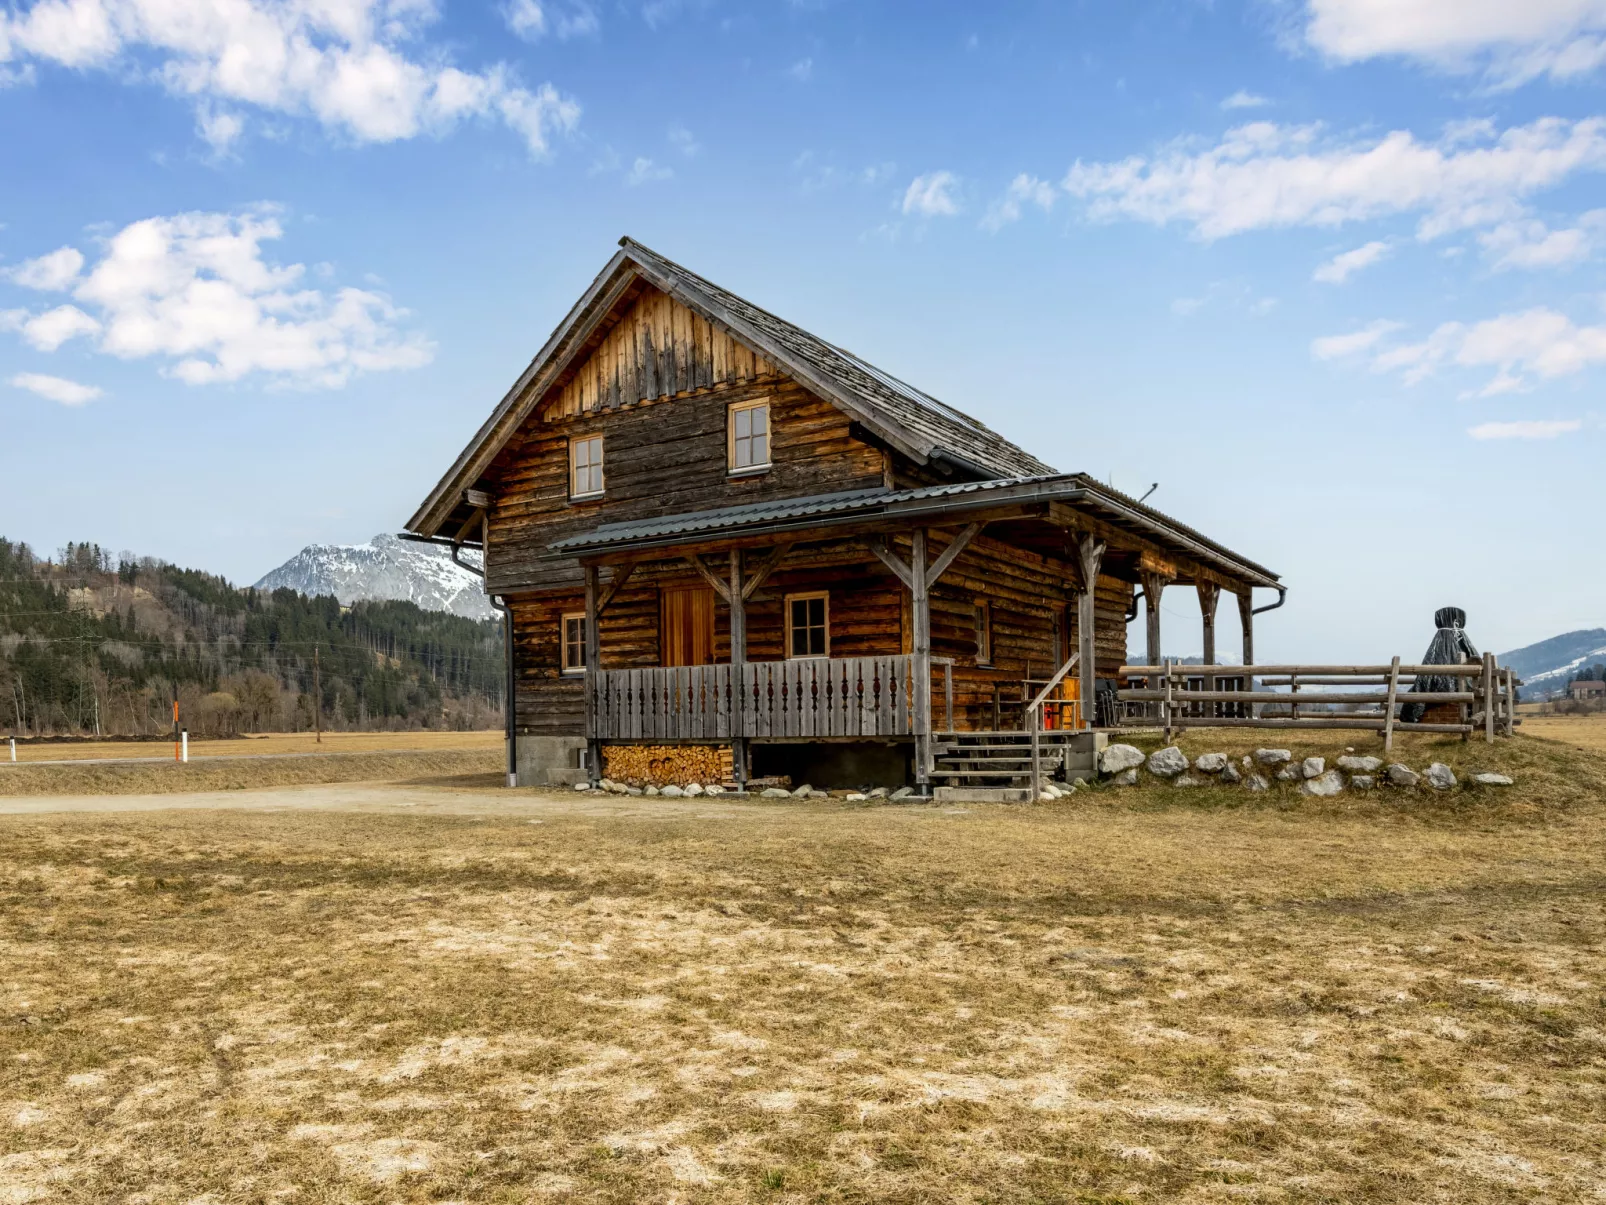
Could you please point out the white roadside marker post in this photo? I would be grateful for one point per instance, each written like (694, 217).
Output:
(13, 748)
(184, 739)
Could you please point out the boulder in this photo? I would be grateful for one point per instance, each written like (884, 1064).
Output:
(878, 793)
(633, 791)
(1127, 778)
(1329, 782)
(693, 788)
(772, 793)
(582, 786)
(1402, 776)
(713, 789)
(1115, 758)
(1256, 782)
(1230, 775)
(903, 793)
(1360, 765)
(605, 784)
(673, 792)
(1313, 767)
(1168, 762)
(857, 797)
(1290, 774)
(1078, 781)
(1046, 796)
(618, 788)
(1363, 782)
(1440, 777)
(1273, 757)
(651, 790)
(1186, 780)
(1248, 762)
(802, 792)
(1492, 780)
(1211, 763)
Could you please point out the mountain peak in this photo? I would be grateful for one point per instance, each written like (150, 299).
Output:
(385, 568)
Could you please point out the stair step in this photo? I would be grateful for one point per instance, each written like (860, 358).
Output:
(997, 761)
(1021, 774)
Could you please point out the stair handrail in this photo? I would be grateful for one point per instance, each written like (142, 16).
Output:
(1034, 720)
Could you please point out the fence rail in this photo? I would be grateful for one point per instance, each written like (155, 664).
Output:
(842, 696)
(1486, 698)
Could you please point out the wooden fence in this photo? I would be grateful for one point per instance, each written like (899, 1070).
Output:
(841, 697)
(1486, 700)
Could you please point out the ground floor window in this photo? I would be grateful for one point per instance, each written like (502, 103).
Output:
(808, 625)
(984, 633)
(574, 643)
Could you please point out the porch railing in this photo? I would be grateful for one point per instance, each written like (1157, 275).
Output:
(843, 696)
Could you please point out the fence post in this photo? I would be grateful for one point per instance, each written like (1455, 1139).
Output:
(1035, 717)
(1165, 703)
(1511, 701)
(1388, 713)
(1488, 698)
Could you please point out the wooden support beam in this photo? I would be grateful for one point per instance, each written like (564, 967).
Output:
(469, 524)
(951, 553)
(737, 598)
(766, 567)
(1209, 597)
(921, 607)
(1090, 559)
(1246, 617)
(616, 580)
(593, 668)
(903, 572)
(1154, 585)
(709, 576)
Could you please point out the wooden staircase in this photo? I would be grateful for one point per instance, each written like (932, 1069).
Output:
(996, 767)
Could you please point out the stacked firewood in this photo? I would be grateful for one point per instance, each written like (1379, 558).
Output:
(663, 765)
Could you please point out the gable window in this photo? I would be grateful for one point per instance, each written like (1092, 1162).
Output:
(749, 440)
(585, 467)
(808, 625)
(574, 643)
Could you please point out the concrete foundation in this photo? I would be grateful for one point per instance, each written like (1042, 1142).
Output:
(550, 761)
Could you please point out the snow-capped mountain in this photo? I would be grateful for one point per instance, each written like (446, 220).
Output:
(1544, 667)
(386, 568)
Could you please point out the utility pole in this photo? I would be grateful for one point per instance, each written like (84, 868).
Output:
(317, 698)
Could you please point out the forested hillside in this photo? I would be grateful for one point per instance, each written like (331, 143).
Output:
(90, 646)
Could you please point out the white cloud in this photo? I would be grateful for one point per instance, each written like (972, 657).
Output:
(1532, 244)
(644, 170)
(683, 141)
(345, 63)
(50, 273)
(1514, 40)
(194, 291)
(1264, 175)
(1332, 347)
(802, 70)
(56, 389)
(1022, 190)
(1531, 345)
(218, 128)
(534, 19)
(1346, 263)
(1526, 429)
(1242, 99)
(931, 195)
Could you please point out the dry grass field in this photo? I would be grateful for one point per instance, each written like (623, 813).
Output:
(1149, 995)
(1586, 732)
(260, 744)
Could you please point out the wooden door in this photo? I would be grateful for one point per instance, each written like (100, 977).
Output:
(686, 625)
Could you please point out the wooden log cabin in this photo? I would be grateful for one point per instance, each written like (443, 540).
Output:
(709, 528)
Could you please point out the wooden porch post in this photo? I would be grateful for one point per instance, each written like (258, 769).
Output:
(593, 666)
(1154, 585)
(1209, 597)
(920, 599)
(1090, 556)
(1246, 617)
(738, 605)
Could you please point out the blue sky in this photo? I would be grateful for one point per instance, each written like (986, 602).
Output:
(1329, 271)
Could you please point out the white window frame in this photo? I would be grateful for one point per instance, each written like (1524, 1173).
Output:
(596, 467)
(569, 667)
(825, 597)
(734, 469)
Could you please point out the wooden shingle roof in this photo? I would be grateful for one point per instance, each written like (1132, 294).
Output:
(906, 418)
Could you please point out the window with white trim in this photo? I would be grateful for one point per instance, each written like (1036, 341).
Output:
(574, 643)
(808, 625)
(749, 441)
(585, 467)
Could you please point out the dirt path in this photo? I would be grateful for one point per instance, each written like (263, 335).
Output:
(387, 797)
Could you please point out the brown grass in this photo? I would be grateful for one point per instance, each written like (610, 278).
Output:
(1152, 995)
(258, 745)
(240, 774)
(1584, 732)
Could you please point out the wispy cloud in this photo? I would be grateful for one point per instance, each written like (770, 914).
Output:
(1023, 190)
(535, 19)
(1511, 40)
(645, 171)
(1526, 429)
(1346, 263)
(932, 195)
(1244, 100)
(682, 140)
(1264, 175)
(802, 70)
(195, 292)
(1531, 244)
(56, 389)
(1332, 347)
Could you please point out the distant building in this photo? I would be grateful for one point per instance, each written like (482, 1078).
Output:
(1580, 691)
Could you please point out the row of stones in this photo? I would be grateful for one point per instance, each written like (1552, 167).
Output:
(692, 789)
(1122, 763)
